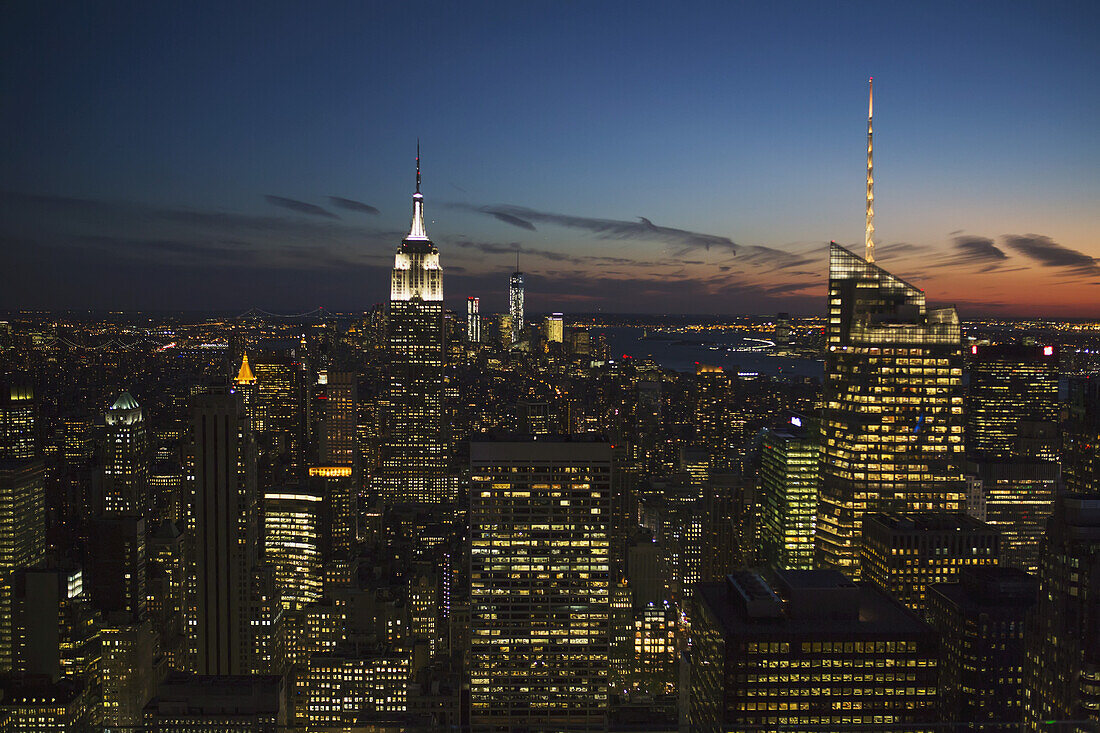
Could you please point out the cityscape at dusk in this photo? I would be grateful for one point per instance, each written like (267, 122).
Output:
(550, 367)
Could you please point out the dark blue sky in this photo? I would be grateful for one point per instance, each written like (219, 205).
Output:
(179, 148)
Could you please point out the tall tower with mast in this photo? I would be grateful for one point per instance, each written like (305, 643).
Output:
(515, 302)
(414, 453)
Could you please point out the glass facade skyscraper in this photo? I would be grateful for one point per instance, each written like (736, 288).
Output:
(515, 305)
(789, 478)
(892, 420)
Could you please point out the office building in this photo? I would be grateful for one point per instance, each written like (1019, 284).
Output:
(980, 620)
(473, 320)
(555, 328)
(1081, 435)
(339, 511)
(278, 414)
(515, 304)
(200, 704)
(56, 629)
(1012, 403)
(37, 704)
(1015, 497)
(807, 650)
(226, 516)
(539, 584)
(1062, 671)
(116, 565)
(126, 460)
(126, 670)
(17, 412)
(338, 413)
(789, 480)
(22, 532)
(414, 454)
(905, 553)
(892, 421)
(293, 532)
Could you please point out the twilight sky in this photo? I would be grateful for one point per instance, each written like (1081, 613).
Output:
(643, 157)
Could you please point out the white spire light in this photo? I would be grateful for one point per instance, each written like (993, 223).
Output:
(869, 240)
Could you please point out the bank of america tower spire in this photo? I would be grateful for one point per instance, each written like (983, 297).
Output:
(414, 451)
(869, 237)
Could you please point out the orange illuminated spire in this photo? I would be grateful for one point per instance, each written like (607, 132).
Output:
(245, 375)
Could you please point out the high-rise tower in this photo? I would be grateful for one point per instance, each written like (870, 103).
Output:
(515, 302)
(892, 423)
(414, 453)
(126, 460)
(539, 584)
(22, 501)
(473, 320)
(226, 534)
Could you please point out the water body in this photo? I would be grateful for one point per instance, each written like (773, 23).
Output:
(681, 352)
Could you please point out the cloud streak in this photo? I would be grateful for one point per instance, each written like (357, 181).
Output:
(1049, 253)
(353, 205)
(641, 230)
(300, 207)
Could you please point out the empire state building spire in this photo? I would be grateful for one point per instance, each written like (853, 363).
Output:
(417, 232)
(869, 239)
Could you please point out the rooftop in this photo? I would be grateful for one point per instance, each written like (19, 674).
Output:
(872, 614)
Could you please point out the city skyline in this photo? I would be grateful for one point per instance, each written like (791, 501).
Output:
(213, 158)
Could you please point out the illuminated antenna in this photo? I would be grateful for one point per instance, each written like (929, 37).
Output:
(418, 165)
(870, 236)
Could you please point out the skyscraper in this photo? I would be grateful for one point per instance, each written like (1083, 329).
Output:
(515, 303)
(22, 501)
(892, 421)
(540, 584)
(1012, 403)
(789, 478)
(555, 328)
(293, 528)
(1012, 442)
(278, 413)
(126, 460)
(16, 419)
(980, 620)
(473, 320)
(1062, 670)
(226, 533)
(414, 453)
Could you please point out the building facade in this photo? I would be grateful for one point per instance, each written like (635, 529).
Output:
(1062, 640)
(892, 422)
(414, 453)
(903, 554)
(539, 584)
(980, 620)
(789, 480)
(807, 650)
(515, 306)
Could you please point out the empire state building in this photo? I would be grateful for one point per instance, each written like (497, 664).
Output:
(414, 452)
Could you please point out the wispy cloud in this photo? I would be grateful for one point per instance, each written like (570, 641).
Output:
(301, 207)
(1049, 253)
(978, 249)
(352, 205)
(641, 230)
